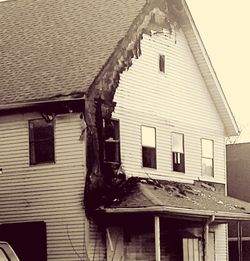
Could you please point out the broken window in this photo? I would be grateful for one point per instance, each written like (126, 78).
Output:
(112, 141)
(178, 152)
(41, 141)
(207, 147)
(148, 137)
(162, 63)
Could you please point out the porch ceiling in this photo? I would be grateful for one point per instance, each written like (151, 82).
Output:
(195, 201)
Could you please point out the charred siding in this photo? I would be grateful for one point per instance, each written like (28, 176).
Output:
(50, 192)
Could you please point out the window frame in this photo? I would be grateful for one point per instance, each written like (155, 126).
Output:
(207, 158)
(154, 166)
(114, 141)
(32, 157)
(178, 167)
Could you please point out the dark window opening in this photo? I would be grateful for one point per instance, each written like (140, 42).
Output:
(41, 134)
(148, 147)
(162, 63)
(112, 141)
(178, 152)
(149, 157)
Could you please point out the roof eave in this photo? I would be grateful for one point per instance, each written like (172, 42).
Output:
(173, 211)
(7, 108)
(229, 121)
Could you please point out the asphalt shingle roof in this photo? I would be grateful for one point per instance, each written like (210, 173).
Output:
(53, 47)
(199, 197)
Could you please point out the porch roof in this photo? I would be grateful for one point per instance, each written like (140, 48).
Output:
(198, 200)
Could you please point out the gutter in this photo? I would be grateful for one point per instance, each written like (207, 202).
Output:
(60, 105)
(172, 211)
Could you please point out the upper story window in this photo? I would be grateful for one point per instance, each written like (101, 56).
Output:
(178, 152)
(207, 154)
(112, 141)
(148, 139)
(162, 63)
(41, 141)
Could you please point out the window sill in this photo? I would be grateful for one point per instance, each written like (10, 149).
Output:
(207, 178)
(42, 164)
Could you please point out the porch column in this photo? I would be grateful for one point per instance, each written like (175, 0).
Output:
(157, 239)
(206, 237)
(206, 242)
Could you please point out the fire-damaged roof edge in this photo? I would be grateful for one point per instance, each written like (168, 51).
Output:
(172, 199)
(51, 104)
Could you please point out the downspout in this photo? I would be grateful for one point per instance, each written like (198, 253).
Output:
(206, 237)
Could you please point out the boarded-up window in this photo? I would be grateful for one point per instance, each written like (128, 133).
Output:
(148, 137)
(207, 157)
(112, 141)
(41, 135)
(178, 152)
(162, 63)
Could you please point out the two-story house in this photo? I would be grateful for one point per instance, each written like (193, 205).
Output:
(112, 133)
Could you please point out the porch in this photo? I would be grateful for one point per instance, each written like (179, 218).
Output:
(153, 238)
(167, 221)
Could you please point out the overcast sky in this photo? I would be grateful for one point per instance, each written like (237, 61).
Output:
(224, 26)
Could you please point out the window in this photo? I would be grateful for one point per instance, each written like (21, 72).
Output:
(207, 147)
(162, 63)
(148, 147)
(111, 141)
(41, 134)
(178, 152)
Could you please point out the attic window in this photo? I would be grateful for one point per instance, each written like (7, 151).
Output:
(41, 139)
(162, 63)
(112, 141)
(148, 147)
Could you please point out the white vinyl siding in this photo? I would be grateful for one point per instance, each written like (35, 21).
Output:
(177, 101)
(47, 192)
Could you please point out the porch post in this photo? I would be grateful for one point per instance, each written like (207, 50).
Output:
(206, 237)
(157, 239)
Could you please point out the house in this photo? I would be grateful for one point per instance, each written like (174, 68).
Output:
(237, 186)
(112, 133)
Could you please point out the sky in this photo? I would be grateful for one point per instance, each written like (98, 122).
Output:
(224, 26)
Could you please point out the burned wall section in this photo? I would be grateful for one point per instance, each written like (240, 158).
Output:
(155, 16)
